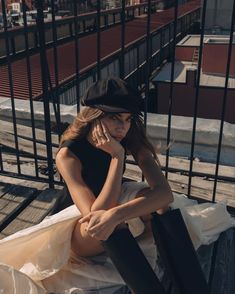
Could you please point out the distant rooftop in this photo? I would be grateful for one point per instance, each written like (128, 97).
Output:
(194, 40)
(180, 75)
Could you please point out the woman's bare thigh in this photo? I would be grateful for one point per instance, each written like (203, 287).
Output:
(83, 244)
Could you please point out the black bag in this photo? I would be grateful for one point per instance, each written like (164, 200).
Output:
(178, 254)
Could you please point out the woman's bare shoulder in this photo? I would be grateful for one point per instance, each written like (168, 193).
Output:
(66, 159)
(63, 153)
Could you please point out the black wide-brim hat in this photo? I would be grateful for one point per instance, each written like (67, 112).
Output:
(113, 95)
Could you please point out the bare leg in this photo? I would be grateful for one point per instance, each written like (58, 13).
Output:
(83, 244)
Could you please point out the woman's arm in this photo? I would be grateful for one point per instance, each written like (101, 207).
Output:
(111, 190)
(102, 223)
(70, 169)
(158, 196)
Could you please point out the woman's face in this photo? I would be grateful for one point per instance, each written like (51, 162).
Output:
(118, 124)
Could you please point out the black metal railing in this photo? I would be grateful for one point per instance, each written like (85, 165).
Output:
(86, 24)
(136, 61)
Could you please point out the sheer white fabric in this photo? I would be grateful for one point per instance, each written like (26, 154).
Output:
(38, 259)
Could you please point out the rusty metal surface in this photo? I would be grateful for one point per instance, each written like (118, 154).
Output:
(110, 43)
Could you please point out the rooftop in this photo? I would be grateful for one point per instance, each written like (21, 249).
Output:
(110, 44)
(181, 68)
(194, 40)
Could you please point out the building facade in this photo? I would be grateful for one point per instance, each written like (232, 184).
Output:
(212, 80)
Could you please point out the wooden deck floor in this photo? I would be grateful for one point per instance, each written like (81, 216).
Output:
(24, 204)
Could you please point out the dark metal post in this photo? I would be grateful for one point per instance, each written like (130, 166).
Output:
(46, 98)
(197, 95)
(11, 85)
(147, 66)
(56, 95)
(30, 86)
(148, 56)
(172, 84)
(224, 100)
(123, 26)
(76, 48)
(98, 40)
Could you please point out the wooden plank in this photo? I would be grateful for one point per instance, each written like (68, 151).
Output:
(181, 164)
(12, 203)
(25, 145)
(6, 180)
(23, 130)
(201, 167)
(35, 212)
(27, 166)
(24, 134)
(200, 188)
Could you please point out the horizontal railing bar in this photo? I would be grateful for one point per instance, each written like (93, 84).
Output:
(29, 177)
(194, 173)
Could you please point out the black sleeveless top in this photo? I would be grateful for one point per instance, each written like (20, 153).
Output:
(95, 163)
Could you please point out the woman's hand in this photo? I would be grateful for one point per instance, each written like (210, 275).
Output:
(104, 141)
(101, 223)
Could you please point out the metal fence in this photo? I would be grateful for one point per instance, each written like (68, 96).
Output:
(135, 62)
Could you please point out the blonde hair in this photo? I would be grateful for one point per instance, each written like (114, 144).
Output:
(134, 141)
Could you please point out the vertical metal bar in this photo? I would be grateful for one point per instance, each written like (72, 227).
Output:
(138, 64)
(161, 46)
(1, 161)
(123, 27)
(148, 56)
(11, 85)
(76, 47)
(197, 95)
(45, 78)
(224, 101)
(147, 66)
(30, 86)
(54, 33)
(98, 40)
(172, 84)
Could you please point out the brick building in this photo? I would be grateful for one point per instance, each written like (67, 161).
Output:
(212, 79)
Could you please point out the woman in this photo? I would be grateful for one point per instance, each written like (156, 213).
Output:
(91, 160)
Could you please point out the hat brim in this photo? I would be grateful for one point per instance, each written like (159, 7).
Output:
(113, 109)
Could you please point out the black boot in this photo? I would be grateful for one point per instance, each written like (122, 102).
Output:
(131, 263)
(177, 253)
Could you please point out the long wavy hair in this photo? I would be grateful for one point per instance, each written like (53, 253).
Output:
(135, 139)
